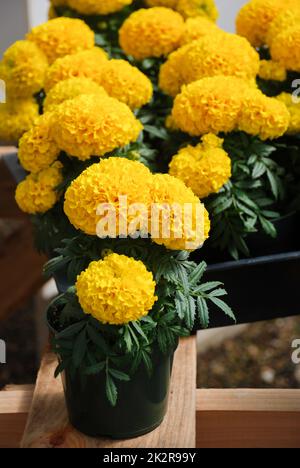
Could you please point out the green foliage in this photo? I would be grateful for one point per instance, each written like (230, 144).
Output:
(252, 199)
(84, 345)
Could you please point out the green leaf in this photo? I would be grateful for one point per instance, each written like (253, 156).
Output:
(61, 367)
(72, 330)
(119, 375)
(197, 274)
(258, 170)
(111, 390)
(79, 350)
(128, 339)
(95, 369)
(190, 313)
(180, 304)
(98, 340)
(139, 330)
(207, 286)
(218, 293)
(224, 307)
(203, 312)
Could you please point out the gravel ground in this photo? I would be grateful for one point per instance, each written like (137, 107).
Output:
(260, 357)
(19, 335)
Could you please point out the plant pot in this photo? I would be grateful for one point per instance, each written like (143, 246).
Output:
(141, 406)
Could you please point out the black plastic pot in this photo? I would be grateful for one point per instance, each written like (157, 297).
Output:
(141, 406)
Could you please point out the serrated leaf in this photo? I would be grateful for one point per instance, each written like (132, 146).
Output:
(119, 375)
(190, 312)
(71, 331)
(224, 307)
(111, 390)
(197, 274)
(180, 304)
(95, 369)
(203, 312)
(207, 286)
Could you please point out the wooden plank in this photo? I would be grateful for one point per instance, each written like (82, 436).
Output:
(20, 271)
(248, 418)
(14, 407)
(48, 425)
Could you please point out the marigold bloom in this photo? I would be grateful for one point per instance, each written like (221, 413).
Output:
(171, 73)
(204, 168)
(293, 107)
(92, 125)
(186, 228)
(198, 27)
(285, 49)
(23, 69)
(286, 19)
(116, 290)
(69, 89)
(254, 18)
(191, 8)
(98, 7)
(126, 83)
(16, 118)
(152, 32)
(163, 3)
(221, 54)
(270, 70)
(210, 105)
(37, 149)
(104, 183)
(85, 64)
(263, 116)
(62, 36)
(37, 193)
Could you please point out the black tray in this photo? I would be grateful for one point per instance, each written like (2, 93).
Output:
(262, 288)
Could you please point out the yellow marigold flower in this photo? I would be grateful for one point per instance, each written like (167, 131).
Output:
(116, 290)
(152, 32)
(92, 125)
(85, 64)
(286, 48)
(62, 36)
(37, 149)
(270, 70)
(163, 3)
(69, 89)
(186, 229)
(198, 27)
(293, 108)
(204, 168)
(126, 83)
(104, 183)
(37, 193)
(98, 7)
(23, 69)
(171, 73)
(263, 116)
(192, 8)
(210, 105)
(221, 54)
(254, 18)
(286, 19)
(16, 118)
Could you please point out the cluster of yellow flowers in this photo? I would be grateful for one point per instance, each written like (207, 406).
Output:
(116, 290)
(25, 65)
(189, 8)
(92, 7)
(204, 168)
(38, 192)
(275, 23)
(212, 55)
(225, 104)
(105, 182)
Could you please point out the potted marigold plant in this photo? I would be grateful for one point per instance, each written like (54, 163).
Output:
(135, 293)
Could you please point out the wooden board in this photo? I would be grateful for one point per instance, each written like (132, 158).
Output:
(48, 425)
(248, 418)
(14, 407)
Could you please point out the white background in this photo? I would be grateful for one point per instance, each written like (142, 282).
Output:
(16, 16)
